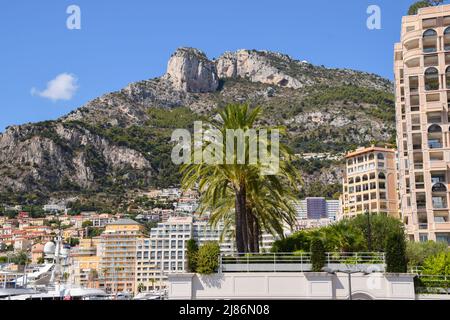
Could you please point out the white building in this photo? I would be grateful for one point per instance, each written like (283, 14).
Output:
(54, 208)
(164, 252)
(186, 207)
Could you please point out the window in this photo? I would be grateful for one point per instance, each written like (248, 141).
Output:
(439, 187)
(447, 39)
(435, 137)
(447, 77)
(443, 237)
(434, 117)
(431, 79)
(429, 41)
(428, 61)
(423, 237)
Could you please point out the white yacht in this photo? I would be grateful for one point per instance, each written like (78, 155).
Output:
(151, 295)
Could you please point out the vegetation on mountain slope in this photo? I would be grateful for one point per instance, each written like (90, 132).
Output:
(121, 141)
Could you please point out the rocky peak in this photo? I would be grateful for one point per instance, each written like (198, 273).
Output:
(257, 66)
(189, 70)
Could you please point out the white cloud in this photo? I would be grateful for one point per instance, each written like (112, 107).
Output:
(63, 87)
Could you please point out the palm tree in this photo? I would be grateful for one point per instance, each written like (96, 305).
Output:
(239, 194)
(92, 277)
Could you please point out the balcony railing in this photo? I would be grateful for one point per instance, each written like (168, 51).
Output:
(292, 262)
(435, 144)
(423, 226)
(421, 205)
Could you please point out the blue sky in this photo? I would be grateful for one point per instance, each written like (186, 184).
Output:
(125, 41)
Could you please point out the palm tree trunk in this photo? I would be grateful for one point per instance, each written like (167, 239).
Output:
(256, 236)
(250, 230)
(241, 221)
(253, 231)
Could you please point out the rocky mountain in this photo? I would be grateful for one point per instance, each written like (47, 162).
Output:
(121, 140)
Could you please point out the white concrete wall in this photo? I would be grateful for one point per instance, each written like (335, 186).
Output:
(297, 286)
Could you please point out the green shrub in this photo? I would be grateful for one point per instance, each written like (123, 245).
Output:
(414, 8)
(437, 265)
(317, 255)
(348, 235)
(208, 258)
(396, 254)
(192, 251)
(418, 252)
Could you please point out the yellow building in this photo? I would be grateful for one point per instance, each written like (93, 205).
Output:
(37, 253)
(370, 182)
(85, 262)
(117, 250)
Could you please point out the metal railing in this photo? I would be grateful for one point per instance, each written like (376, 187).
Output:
(432, 284)
(296, 262)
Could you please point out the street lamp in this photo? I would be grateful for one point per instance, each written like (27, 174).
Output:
(349, 273)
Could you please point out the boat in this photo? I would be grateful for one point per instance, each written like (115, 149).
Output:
(151, 295)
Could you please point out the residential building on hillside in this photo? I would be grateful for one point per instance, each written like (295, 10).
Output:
(370, 182)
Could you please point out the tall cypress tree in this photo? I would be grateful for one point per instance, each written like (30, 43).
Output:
(396, 260)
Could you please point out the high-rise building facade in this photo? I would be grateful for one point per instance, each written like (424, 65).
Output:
(165, 251)
(422, 78)
(370, 182)
(117, 250)
(317, 208)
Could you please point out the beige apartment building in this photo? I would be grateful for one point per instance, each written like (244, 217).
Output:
(422, 78)
(84, 263)
(117, 250)
(370, 182)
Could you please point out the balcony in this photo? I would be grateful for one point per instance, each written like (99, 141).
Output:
(435, 106)
(410, 57)
(412, 35)
(438, 164)
(443, 226)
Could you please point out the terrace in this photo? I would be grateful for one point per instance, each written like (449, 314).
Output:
(300, 262)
